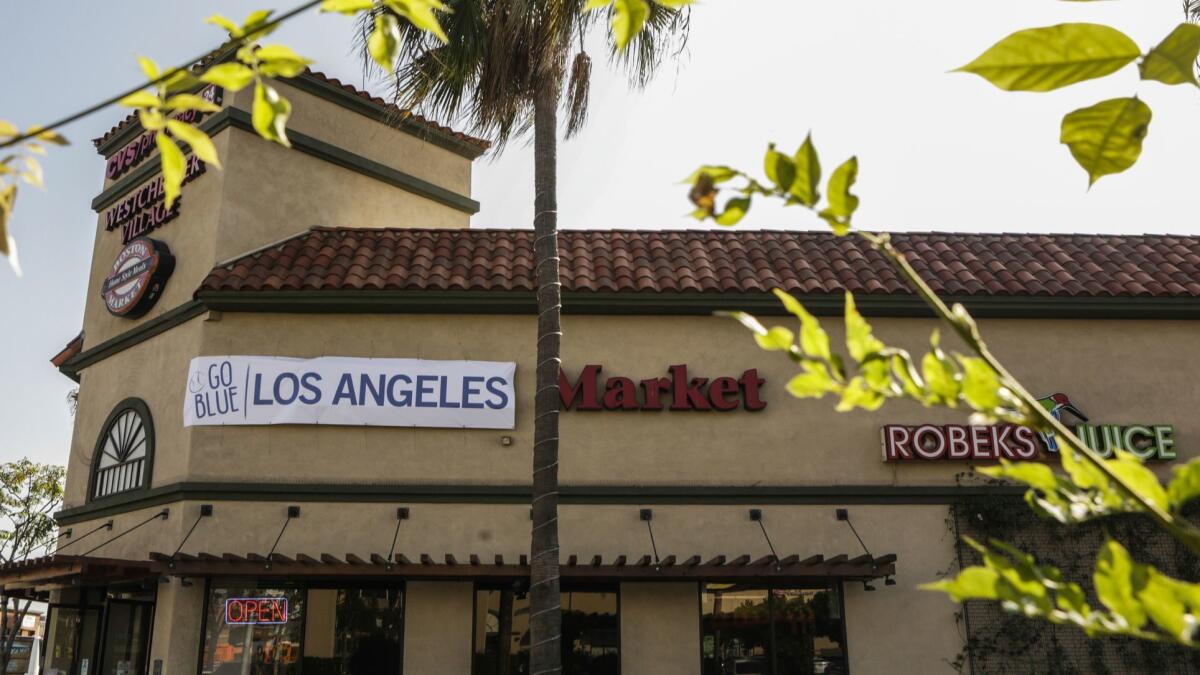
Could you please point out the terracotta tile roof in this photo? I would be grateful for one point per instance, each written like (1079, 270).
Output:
(69, 352)
(384, 106)
(745, 261)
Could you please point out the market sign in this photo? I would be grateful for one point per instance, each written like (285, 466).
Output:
(145, 209)
(932, 442)
(350, 391)
(137, 278)
(678, 391)
(255, 611)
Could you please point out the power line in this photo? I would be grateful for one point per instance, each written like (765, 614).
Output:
(224, 47)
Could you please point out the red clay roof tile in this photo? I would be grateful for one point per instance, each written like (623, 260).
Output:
(694, 261)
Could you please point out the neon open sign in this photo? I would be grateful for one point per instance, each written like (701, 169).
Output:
(252, 611)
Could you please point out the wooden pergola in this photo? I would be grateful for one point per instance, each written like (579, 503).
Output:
(29, 578)
(36, 576)
(814, 568)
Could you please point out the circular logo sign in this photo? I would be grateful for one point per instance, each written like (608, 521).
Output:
(137, 277)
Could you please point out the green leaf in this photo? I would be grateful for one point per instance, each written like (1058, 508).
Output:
(980, 384)
(33, 172)
(47, 136)
(718, 174)
(859, 340)
(231, 76)
(842, 203)
(1160, 597)
(173, 166)
(179, 80)
(628, 19)
(270, 114)
(1185, 484)
(814, 382)
(808, 174)
(910, 380)
(8, 245)
(859, 394)
(1130, 470)
(140, 99)
(421, 14)
(674, 4)
(1106, 138)
(779, 168)
(280, 61)
(152, 120)
(748, 321)
(1043, 59)
(776, 339)
(196, 139)
(230, 27)
(1114, 584)
(190, 102)
(940, 375)
(252, 26)
(814, 341)
(735, 210)
(973, 583)
(1033, 474)
(347, 6)
(384, 41)
(1173, 61)
(149, 67)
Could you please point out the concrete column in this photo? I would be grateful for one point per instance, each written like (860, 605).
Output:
(177, 616)
(660, 628)
(437, 627)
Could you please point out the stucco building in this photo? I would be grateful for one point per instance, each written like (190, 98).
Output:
(303, 439)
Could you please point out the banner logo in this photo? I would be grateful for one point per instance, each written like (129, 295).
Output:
(248, 390)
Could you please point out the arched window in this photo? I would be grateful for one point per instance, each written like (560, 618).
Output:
(124, 451)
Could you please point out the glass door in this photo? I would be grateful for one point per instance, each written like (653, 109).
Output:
(126, 644)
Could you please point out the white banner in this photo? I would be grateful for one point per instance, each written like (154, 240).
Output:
(350, 391)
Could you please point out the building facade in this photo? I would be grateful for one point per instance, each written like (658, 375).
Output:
(303, 439)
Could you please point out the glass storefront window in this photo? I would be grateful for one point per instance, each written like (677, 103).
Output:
(590, 625)
(748, 630)
(354, 631)
(253, 631)
(71, 636)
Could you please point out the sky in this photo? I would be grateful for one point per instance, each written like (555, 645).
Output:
(937, 150)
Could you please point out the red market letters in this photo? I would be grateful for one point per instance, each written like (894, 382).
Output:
(678, 391)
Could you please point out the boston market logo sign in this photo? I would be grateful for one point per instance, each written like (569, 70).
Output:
(137, 277)
(932, 442)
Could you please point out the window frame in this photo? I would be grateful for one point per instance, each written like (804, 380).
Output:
(140, 407)
(302, 586)
(580, 587)
(836, 585)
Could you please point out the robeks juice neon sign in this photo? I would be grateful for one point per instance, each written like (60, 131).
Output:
(252, 611)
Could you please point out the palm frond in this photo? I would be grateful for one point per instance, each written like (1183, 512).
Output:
(578, 87)
(500, 53)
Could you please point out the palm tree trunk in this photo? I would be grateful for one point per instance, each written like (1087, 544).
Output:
(545, 613)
